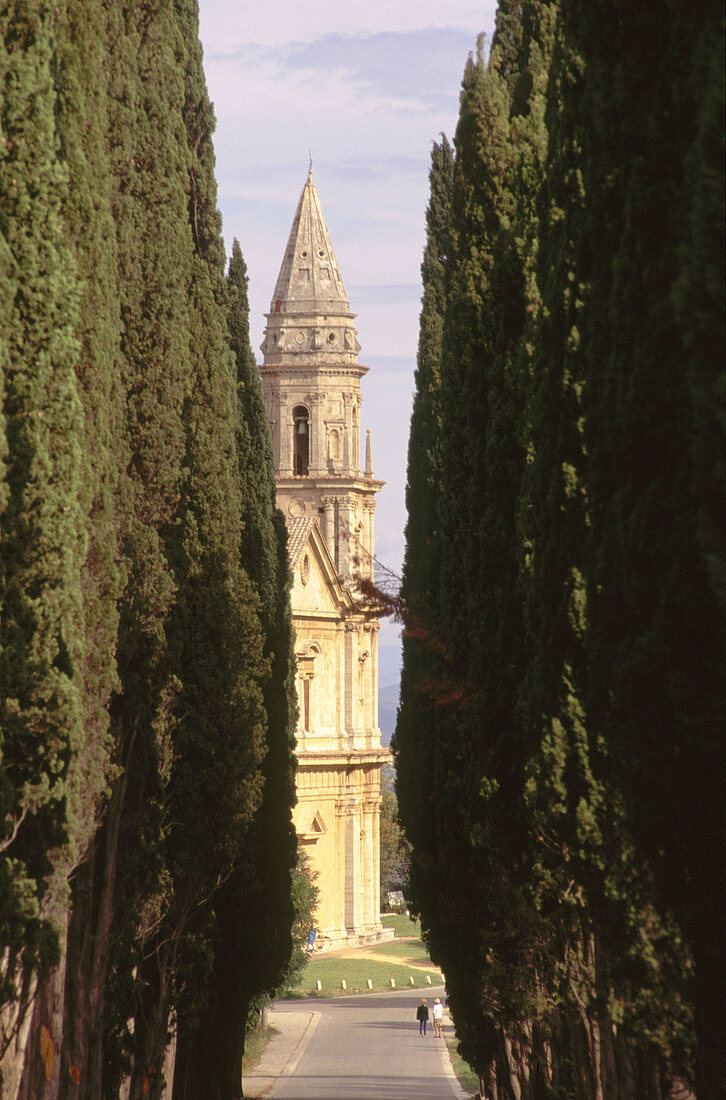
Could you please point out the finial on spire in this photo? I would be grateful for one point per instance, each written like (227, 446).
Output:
(310, 166)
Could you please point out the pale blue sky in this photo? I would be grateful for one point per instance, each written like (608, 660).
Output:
(365, 86)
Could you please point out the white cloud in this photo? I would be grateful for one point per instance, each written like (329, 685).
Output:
(225, 22)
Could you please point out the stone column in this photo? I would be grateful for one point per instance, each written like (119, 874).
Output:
(317, 429)
(370, 533)
(284, 427)
(345, 534)
(370, 915)
(377, 863)
(329, 506)
(374, 676)
(351, 676)
(355, 432)
(352, 868)
(341, 820)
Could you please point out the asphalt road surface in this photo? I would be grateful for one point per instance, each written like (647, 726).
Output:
(368, 1048)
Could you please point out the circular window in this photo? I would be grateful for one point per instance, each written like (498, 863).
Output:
(321, 253)
(305, 570)
(304, 255)
(331, 338)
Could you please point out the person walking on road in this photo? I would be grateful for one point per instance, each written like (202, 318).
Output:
(422, 1015)
(438, 1015)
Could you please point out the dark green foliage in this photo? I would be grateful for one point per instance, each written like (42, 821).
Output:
(304, 895)
(88, 217)
(145, 140)
(42, 647)
(395, 849)
(253, 910)
(423, 536)
(564, 552)
(145, 637)
(268, 913)
(465, 744)
(212, 788)
(655, 634)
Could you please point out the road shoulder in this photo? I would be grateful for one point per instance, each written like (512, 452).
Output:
(282, 1054)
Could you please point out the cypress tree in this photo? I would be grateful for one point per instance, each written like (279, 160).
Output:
(698, 297)
(42, 645)
(416, 722)
(146, 148)
(82, 117)
(215, 782)
(655, 692)
(610, 944)
(472, 765)
(253, 910)
(139, 531)
(518, 816)
(267, 903)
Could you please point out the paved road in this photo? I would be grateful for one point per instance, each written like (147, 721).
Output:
(368, 1048)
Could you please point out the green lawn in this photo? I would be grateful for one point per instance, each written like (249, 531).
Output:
(410, 949)
(401, 924)
(351, 967)
(331, 970)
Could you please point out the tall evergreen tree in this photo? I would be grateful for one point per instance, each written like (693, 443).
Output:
(146, 148)
(82, 115)
(213, 785)
(655, 633)
(253, 910)
(414, 751)
(42, 643)
(145, 639)
(474, 743)
(512, 796)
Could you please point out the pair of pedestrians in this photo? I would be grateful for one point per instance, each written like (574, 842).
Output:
(422, 1015)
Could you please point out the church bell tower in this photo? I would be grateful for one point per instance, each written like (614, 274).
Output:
(311, 379)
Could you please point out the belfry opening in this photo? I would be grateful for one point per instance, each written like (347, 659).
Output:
(301, 440)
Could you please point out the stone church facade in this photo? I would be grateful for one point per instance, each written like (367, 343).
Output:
(311, 379)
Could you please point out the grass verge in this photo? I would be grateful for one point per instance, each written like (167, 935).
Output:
(468, 1079)
(255, 1043)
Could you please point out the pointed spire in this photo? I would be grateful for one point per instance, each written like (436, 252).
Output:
(309, 279)
(310, 315)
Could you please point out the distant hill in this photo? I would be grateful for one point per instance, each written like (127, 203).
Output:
(387, 708)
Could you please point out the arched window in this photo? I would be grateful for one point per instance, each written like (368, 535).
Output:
(301, 440)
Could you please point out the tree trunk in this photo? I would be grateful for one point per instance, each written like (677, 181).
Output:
(16, 1021)
(152, 1028)
(42, 1066)
(209, 1061)
(710, 1016)
(512, 1068)
(492, 1087)
(579, 1045)
(89, 940)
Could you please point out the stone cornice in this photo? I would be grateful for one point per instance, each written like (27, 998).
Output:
(331, 758)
